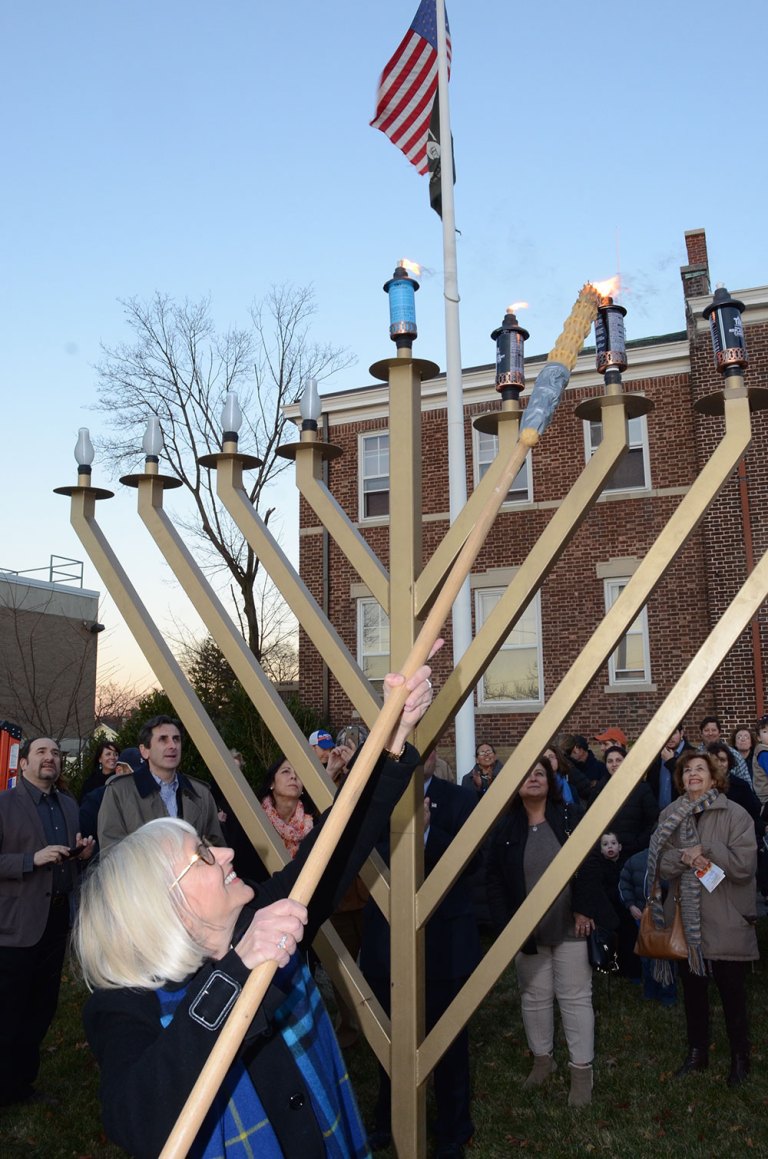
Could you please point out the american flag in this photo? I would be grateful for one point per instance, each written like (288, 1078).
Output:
(408, 87)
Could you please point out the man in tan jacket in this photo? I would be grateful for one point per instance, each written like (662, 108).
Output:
(157, 789)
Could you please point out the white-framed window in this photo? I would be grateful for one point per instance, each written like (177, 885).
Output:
(486, 449)
(632, 472)
(631, 662)
(514, 676)
(372, 640)
(374, 475)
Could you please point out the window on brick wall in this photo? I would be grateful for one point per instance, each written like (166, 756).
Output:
(630, 663)
(372, 640)
(514, 676)
(632, 472)
(374, 475)
(486, 448)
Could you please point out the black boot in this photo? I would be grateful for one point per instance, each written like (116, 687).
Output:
(696, 1059)
(739, 1069)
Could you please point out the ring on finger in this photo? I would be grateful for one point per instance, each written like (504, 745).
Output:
(283, 942)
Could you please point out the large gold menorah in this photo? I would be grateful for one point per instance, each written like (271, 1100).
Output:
(408, 591)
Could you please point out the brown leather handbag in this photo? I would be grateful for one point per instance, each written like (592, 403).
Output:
(667, 942)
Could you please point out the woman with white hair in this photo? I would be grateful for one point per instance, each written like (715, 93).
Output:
(167, 934)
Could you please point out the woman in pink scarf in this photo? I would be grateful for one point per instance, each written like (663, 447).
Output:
(284, 802)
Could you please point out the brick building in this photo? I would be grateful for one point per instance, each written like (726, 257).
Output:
(667, 449)
(48, 634)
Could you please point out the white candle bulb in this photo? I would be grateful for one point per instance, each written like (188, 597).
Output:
(231, 415)
(84, 449)
(153, 437)
(310, 406)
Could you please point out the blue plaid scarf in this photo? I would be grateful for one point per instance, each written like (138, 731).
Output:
(236, 1127)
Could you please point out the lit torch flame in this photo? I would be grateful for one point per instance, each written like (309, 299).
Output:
(412, 267)
(517, 306)
(608, 288)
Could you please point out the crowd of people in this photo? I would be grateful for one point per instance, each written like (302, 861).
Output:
(689, 837)
(166, 929)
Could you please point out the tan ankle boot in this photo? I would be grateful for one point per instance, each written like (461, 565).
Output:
(580, 1094)
(543, 1066)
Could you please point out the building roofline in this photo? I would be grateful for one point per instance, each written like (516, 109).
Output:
(46, 585)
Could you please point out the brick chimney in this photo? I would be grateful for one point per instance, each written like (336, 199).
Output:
(696, 274)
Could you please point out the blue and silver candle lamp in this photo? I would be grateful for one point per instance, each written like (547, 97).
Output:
(401, 289)
(510, 356)
(610, 339)
(727, 329)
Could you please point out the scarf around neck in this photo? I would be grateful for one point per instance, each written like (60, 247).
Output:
(680, 819)
(236, 1126)
(293, 830)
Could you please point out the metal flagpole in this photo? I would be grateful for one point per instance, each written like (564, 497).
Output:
(457, 467)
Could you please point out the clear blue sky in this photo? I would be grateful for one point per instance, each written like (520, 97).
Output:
(218, 148)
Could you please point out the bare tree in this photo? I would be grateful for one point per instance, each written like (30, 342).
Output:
(179, 368)
(280, 635)
(116, 701)
(281, 662)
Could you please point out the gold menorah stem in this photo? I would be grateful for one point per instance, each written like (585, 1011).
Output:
(745, 604)
(439, 563)
(333, 517)
(152, 643)
(296, 593)
(261, 691)
(542, 557)
(612, 627)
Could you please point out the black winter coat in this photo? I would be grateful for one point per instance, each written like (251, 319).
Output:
(633, 884)
(586, 774)
(506, 877)
(636, 819)
(147, 1071)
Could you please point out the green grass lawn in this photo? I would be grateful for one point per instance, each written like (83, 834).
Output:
(637, 1108)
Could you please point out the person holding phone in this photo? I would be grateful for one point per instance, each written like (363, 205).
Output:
(41, 854)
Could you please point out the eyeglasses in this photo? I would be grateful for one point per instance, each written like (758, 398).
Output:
(204, 852)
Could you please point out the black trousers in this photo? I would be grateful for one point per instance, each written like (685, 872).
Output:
(451, 1075)
(730, 979)
(29, 992)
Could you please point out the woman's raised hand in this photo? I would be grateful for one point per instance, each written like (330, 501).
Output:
(420, 693)
(274, 933)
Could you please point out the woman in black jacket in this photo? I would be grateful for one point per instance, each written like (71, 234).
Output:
(167, 934)
(553, 962)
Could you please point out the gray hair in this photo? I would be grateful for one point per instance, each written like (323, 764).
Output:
(130, 928)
